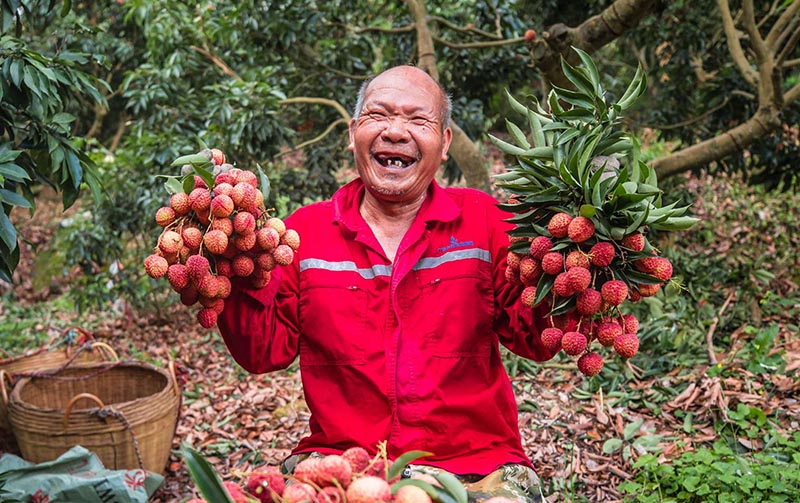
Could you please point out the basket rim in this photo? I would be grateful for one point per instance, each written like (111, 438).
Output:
(16, 401)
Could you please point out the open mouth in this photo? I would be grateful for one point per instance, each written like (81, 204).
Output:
(394, 160)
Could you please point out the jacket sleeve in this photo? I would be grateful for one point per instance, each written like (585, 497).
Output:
(518, 327)
(260, 326)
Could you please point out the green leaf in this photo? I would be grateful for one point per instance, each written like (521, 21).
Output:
(516, 105)
(453, 486)
(205, 477)
(506, 147)
(635, 89)
(591, 70)
(263, 181)
(612, 445)
(401, 462)
(587, 210)
(173, 185)
(579, 79)
(13, 172)
(517, 134)
(543, 288)
(630, 430)
(65, 7)
(75, 169)
(193, 159)
(6, 196)
(8, 234)
(535, 124)
(675, 224)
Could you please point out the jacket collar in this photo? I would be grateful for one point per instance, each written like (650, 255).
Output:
(438, 205)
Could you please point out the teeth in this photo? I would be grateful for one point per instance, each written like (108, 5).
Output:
(396, 162)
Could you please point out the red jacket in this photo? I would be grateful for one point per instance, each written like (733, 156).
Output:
(405, 352)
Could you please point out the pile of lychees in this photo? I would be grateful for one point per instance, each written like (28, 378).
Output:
(584, 204)
(216, 228)
(354, 476)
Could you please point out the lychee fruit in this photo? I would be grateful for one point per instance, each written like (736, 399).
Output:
(553, 262)
(299, 491)
(630, 324)
(330, 494)
(217, 156)
(222, 206)
(614, 292)
(561, 286)
(369, 489)
(266, 484)
(602, 253)
(245, 242)
(277, 224)
(513, 259)
(589, 302)
(222, 188)
(580, 229)
(539, 246)
(178, 276)
(267, 238)
(309, 470)
(590, 364)
(577, 258)
(579, 279)
(247, 177)
(156, 266)
(528, 296)
(558, 225)
(242, 265)
(244, 223)
(358, 458)
(626, 345)
(235, 492)
(551, 338)
(200, 199)
(179, 202)
(335, 470)
(283, 254)
(512, 275)
(224, 267)
(170, 242)
(207, 285)
(574, 343)
(646, 290)
(634, 241)
(291, 238)
(530, 35)
(216, 241)
(607, 331)
(189, 295)
(192, 237)
(411, 494)
(530, 270)
(207, 317)
(662, 269)
(165, 216)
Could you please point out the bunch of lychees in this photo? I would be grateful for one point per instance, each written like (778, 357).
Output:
(354, 476)
(216, 228)
(584, 204)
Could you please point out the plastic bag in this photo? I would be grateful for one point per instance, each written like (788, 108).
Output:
(77, 476)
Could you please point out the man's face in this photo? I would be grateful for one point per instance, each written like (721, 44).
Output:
(398, 140)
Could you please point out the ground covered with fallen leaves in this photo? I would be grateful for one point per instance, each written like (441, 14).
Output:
(241, 421)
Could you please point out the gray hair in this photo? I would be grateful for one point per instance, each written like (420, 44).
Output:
(445, 114)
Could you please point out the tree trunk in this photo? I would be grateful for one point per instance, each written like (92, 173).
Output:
(464, 151)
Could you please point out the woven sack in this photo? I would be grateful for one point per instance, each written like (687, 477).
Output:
(74, 345)
(125, 412)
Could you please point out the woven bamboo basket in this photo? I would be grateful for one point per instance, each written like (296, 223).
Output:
(125, 412)
(75, 345)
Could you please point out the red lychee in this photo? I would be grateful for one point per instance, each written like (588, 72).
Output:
(590, 364)
(266, 484)
(283, 254)
(156, 266)
(539, 246)
(178, 276)
(574, 343)
(170, 242)
(634, 241)
(553, 262)
(216, 241)
(551, 338)
(646, 290)
(558, 225)
(242, 265)
(192, 237)
(630, 324)
(245, 242)
(530, 35)
(217, 156)
(580, 229)
(299, 491)
(267, 238)
(411, 494)
(614, 292)
(358, 458)
(309, 470)
(235, 492)
(224, 287)
(222, 188)
(512, 275)
(207, 317)
(189, 295)
(247, 177)
(200, 199)
(561, 286)
(291, 238)
(179, 202)
(369, 489)
(589, 302)
(165, 216)
(277, 224)
(607, 331)
(577, 258)
(222, 206)
(244, 223)
(335, 470)
(530, 270)
(662, 269)
(207, 285)
(626, 345)
(528, 296)
(579, 279)
(602, 253)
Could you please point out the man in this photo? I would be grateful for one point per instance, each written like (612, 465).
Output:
(396, 302)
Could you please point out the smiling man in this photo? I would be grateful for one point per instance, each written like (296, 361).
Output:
(396, 304)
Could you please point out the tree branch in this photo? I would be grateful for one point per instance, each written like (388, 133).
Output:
(316, 139)
(761, 50)
(788, 48)
(734, 46)
(479, 45)
(781, 23)
(319, 101)
(468, 29)
(217, 61)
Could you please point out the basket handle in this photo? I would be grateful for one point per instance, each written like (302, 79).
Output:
(5, 376)
(75, 399)
(88, 335)
(108, 350)
(174, 377)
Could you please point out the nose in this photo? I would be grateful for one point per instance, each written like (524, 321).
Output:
(395, 130)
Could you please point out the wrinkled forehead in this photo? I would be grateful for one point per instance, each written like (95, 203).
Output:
(407, 88)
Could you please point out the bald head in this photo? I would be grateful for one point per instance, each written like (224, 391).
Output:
(415, 76)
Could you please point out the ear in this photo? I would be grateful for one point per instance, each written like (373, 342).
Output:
(448, 138)
(352, 132)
